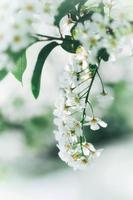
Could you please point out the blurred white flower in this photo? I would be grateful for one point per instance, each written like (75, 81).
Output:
(105, 96)
(18, 21)
(94, 123)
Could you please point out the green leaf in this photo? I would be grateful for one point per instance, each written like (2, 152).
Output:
(19, 58)
(20, 66)
(3, 73)
(36, 78)
(70, 45)
(103, 55)
(66, 7)
(92, 67)
(86, 16)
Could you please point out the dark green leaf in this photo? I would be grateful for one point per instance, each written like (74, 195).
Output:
(92, 68)
(70, 45)
(86, 16)
(66, 7)
(3, 73)
(102, 55)
(36, 78)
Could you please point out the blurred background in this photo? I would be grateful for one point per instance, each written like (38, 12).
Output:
(30, 168)
(29, 163)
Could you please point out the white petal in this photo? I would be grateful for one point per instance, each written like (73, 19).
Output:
(97, 17)
(86, 124)
(91, 147)
(102, 123)
(98, 153)
(86, 151)
(88, 118)
(94, 127)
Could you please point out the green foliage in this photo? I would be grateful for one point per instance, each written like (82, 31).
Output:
(70, 45)
(20, 67)
(65, 8)
(3, 73)
(34, 129)
(20, 60)
(102, 55)
(93, 69)
(36, 78)
(86, 16)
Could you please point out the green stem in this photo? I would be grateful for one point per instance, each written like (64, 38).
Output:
(81, 83)
(50, 37)
(81, 141)
(83, 95)
(87, 96)
(86, 101)
(91, 107)
(103, 90)
(82, 90)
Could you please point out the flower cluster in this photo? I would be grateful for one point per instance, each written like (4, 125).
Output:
(74, 149)
(15, 29)
(103, 32)
(17, 21)
(100, 39)
(90, 30)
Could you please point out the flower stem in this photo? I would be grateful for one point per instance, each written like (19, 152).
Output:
(50, 37)
(91, 107)
(103, 90)
(87, 96)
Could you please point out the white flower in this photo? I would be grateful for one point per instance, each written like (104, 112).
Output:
(106, 96)
(75, 102)
(30, 6)
(4, 38)
(94, 123)
(81, 58)
(99, 32)
(109, 3)
(75, 153)
(18, 41)
(16, 28)
(73, 156)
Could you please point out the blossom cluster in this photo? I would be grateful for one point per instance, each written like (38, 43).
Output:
(98, 36)
(74, 149)
(103, 32)
(17, 21)
(74, 109)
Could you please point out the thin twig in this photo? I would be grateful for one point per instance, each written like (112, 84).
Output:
(49, 37)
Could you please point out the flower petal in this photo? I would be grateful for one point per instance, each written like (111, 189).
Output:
(86, 124)
(88, 118)
(102, 123)
(94, 127)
